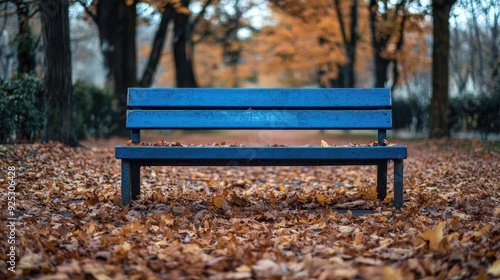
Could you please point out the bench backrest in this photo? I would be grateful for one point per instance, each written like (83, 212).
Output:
(217, 108)
(259, 108)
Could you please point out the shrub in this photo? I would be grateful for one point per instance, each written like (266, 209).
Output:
(21, 108)
(95, 111)
(401, 114)
(475, 113)
(409, 113)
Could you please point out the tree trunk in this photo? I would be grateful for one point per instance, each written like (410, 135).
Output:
(352, 45)
(58, 86)
(158, 42)
(116, 22)
(381, 40)
(346, 77)
(381, 66)
(183, 52)
(378, 43)
(438, 123)
(230, 49)
(24, 40)
(494, 64)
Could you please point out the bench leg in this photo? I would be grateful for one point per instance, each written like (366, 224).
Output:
(382, 180)
(131, 181)
(135, 171)
(398, 183)
(126, 183)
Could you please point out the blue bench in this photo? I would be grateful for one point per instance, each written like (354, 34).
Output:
(210, 108)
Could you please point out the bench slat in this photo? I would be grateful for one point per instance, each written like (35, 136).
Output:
(261, 153)
(259, 119)
(242, 98)
(256, 162)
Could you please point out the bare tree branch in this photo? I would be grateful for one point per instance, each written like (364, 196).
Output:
(87, 9)
(200, 14)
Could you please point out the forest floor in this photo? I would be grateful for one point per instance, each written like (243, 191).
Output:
(250, 222)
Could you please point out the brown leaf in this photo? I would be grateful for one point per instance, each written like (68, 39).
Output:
(434, 235)
(321, 199)
(455, 223)
(91, 227)
(30, 261)
(495, 268)
(483, 231)
(218, 201)
(50, 246)
(266, 268)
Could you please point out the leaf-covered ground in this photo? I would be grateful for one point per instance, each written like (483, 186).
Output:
(252, 222)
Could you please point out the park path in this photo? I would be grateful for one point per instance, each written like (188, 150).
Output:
(257, 137)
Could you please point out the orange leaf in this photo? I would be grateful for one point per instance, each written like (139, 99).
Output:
(91, 227)
(495, 268)
(455, 223)
(483, 231)
(321, 199)
(218, 201)
(51, 247)
(434, 236)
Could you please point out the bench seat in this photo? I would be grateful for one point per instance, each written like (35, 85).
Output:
(255, 155)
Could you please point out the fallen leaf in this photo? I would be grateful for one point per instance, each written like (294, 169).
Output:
(218, 201)
(321, 199)
(455, 223)
(346, 229)
(30, 261)
(91, 227)
(266, 268)
(390, 273)
(50, 246)
(434, 235)
(495, 268)
(483, 231)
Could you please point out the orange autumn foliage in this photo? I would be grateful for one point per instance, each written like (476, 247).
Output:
(303, 45)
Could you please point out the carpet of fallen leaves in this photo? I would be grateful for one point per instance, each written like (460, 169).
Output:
(253, 222)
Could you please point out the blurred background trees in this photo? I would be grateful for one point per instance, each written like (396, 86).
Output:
(119, 44)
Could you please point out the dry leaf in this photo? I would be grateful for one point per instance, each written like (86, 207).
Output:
(321, 199)
(390, 273)
(266, 268)
(30, 261)
(455, 223)
(495, 268)
(346, 229)
(483, 231)
(434, 235)
(218, 201)
(91, 227)
(50, 246)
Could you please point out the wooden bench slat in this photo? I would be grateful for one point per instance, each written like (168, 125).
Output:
(255, 162)
(243, 98)
(259, 119)
(261, 153)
